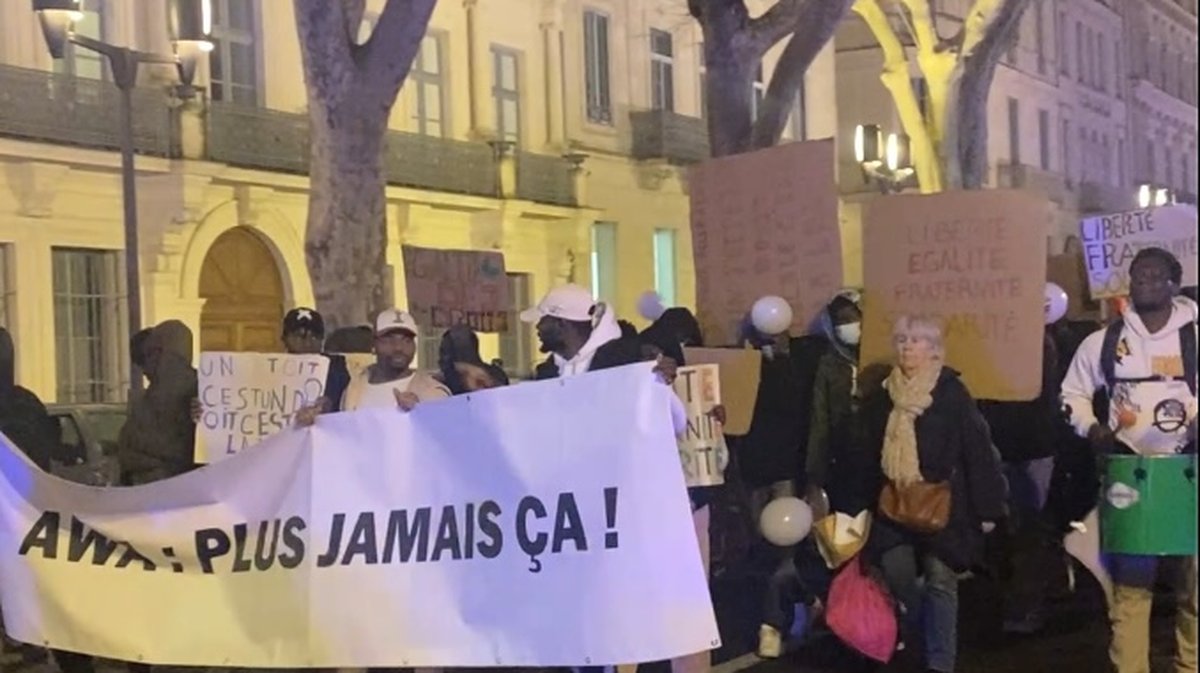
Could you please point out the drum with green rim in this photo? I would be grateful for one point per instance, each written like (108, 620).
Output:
(1149, 506)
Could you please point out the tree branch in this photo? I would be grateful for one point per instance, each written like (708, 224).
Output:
(388, 55)
(779, 21)
(816, 24)
(921, 16)
(895, 77)
(977, 22)
(324, 48)
(354, 11)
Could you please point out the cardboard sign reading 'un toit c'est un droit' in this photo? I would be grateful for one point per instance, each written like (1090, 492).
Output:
(247, 397)
(973, 261)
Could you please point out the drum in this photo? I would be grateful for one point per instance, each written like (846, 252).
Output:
(1149, 506)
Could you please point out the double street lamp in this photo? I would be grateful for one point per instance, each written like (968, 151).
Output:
(1148, 195)
(884, 161)
(190, 24)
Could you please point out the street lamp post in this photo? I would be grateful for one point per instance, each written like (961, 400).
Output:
(884, 161)
(191, 24)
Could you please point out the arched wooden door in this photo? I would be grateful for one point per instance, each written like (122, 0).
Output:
(243, 292)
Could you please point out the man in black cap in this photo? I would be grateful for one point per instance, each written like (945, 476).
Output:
(304, 334)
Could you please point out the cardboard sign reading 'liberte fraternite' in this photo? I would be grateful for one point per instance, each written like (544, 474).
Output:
(974, 261)
(1110, 242)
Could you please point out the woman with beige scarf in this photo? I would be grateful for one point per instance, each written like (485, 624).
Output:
(931, 437)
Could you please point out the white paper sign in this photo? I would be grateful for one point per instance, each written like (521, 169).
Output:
(702, 449)
(247, 397)
(1110, 243)
(474, 531)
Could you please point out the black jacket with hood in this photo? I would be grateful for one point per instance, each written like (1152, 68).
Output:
(158, 440)
(23, 417)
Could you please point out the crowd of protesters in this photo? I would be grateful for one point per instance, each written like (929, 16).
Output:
(845, 438)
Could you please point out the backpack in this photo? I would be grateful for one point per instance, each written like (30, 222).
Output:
(1108, 356)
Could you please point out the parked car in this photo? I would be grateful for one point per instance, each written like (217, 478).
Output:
(88, 443)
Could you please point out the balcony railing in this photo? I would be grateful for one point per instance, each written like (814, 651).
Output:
(679, 139)
(428, 162)
(1018, 176)
(545, 179)
(253, 137)
(49, 107)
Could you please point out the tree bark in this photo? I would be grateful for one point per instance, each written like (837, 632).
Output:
(351, 90)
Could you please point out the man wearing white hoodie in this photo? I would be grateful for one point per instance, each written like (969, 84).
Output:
(1147, 363)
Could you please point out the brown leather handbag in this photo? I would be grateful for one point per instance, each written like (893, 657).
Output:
(921, 507)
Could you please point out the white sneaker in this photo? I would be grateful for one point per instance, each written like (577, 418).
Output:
(770, 642)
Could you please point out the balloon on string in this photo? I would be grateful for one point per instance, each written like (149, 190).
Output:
(1056, 303)
(650, 305)
(771, 315)
(786, 521)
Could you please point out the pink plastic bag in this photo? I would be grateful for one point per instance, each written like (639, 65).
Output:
(861, 613)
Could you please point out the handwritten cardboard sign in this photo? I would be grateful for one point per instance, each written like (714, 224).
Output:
(457, 287)
(765, 223)
(974, 261)
(246, 397)
(741, 370)
(702, 449)
(1110, 243)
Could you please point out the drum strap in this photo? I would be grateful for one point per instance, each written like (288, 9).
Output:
(1108, 356)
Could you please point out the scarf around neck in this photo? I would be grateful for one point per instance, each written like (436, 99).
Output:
(910, 398)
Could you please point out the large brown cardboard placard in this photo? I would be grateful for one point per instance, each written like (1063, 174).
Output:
(453, 287)
(975, 261)
(765, 223)
(740, 370)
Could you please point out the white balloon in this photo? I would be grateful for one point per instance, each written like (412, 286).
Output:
(650, 305)
(786, 521)
(1056, 303)
(771, 315)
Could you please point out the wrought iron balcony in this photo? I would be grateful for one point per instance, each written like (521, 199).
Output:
(658, 134)
(254, 137)
(429, 162)
(54, 108)
(545, 179)
(279, 141)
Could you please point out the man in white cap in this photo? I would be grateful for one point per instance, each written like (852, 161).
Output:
(391, 381)
(579, 334)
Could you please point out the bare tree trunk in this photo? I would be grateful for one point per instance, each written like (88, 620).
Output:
(730, 116)
(345, 246)
(351, 89)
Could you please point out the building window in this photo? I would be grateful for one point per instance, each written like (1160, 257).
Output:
(426, 81)
(6, 286)
(1091, 58)
(595, 45)
(1121, 163)
(1064, 53)
(1039, 35)
(1102, 70)
(799, 114)
(1080, 61)
(1106, 159)
(604, 261)
(516, 346)
(758, 93)
(1170, 167)
(1044, 139)
(507, 94)
(89, 326)
(703, 83)
(664, 266)
(233, 63)
(1014, 132)
(429, 346)
(1066, 148)
(1118, 73)
(662, 71)
(78, 61)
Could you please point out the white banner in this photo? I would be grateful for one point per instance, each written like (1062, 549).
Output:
(247, 397)
(544, 524)
(702, 449)
(1110, 243)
